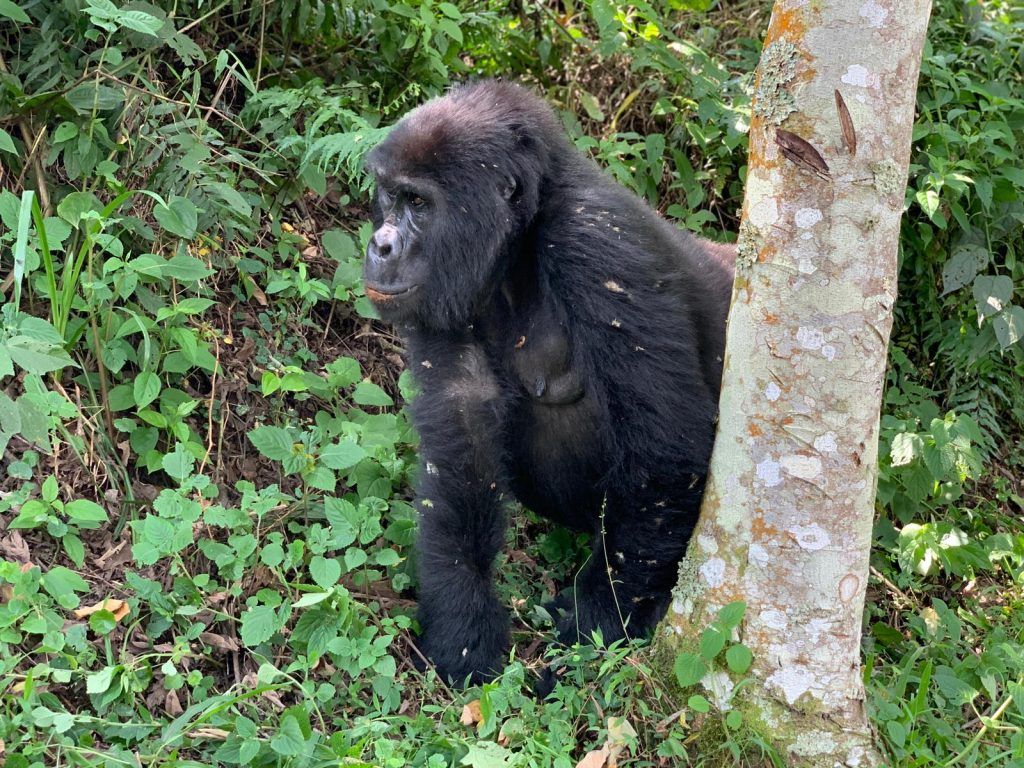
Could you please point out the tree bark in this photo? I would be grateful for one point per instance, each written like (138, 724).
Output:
(787, 515)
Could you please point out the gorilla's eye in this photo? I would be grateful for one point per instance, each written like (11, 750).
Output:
(417, 202)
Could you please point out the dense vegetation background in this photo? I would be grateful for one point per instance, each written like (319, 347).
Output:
(204, 495)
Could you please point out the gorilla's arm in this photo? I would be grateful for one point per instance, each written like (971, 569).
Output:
(461, 522)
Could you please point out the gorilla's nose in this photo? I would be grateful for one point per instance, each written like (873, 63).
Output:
(384, 243)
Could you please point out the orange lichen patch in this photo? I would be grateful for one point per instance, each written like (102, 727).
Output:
(754, 431)
(771, 319)
(760, 530)
(786, 23)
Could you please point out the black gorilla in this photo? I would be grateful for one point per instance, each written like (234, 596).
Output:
(568, 345)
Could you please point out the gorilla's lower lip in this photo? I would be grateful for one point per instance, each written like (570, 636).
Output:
(381, 293)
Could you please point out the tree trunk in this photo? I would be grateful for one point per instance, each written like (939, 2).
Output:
(787, 515)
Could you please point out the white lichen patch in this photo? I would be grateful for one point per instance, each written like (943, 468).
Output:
(774, 619)
(828, 352)
(816, 627)
(772, 391)
(807, 217)
(713, 572)
(679, 606)
(793, 681)
(764, 213)
(799, 465)
(810, 537)
(758, 555)
(720, 686)
(814, 743)
(769, 472)
(874, 13)
(806, 266)
(826, 443)
(857, 74)
(809, 338)
(707, 543)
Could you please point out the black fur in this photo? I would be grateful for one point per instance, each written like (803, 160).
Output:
(568, 344)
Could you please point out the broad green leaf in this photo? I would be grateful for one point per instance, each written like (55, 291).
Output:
(258, 625)
(6, 142)
(13, 12)
(368, 393)
(739, 658)
(712, 641)
(992, 293)
(689, 669)
(85, 511)
(342, 455)
(1009, 326)
(325, 571)
(179, 217)
(146, 388)
(730, 616)
(273, 442)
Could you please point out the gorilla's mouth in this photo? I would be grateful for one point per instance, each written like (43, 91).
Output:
(388, 293)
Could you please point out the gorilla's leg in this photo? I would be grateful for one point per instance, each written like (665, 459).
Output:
(624, 588)
(461, 515)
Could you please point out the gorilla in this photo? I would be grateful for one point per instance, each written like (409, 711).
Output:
(568, 345)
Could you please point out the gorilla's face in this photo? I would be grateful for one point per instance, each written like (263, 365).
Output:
(397, 270)
(438, 244)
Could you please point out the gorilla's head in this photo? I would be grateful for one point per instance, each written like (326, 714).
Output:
(458, 183)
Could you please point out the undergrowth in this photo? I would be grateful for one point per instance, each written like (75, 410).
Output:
(205, 557)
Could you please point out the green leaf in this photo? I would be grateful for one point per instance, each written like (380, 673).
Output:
(273, 442)
(62, 583)
(689, 669)
(138, 21)
(35, 358)
(99, 682)
(73, 548)
(992, 293)
(959, 271)
(102, 622)
(325, 571)
(712, 641)
(699, 704)
(179, 217)
(739, 658)
(730, 616)
(85, 511)
(65, 132)
(338, 245)
(368, 393)
(288, 741)
(591, 106)
(6, 142)
(1009, 326)
(259, 625)
(342, 455)
(179, 463)
(13, 12)
(146, 388)
(734, 719)
(486, 754)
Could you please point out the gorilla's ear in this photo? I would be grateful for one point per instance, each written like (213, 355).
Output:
(510, 188)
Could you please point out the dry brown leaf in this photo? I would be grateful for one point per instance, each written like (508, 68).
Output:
(119, 608)
(595, 758)
(620, 735)
(471, 714)
(800, 151)
(218, 734)
(14, 546)
(846, 124)
(221, 643)
(172, 706)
